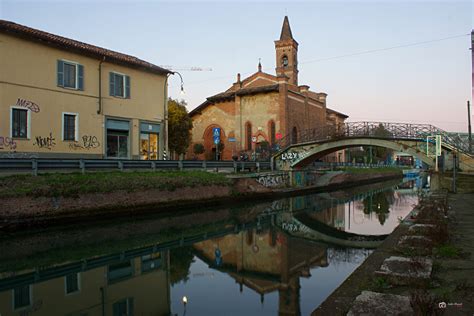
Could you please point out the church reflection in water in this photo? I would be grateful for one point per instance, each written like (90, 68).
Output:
(265, 261)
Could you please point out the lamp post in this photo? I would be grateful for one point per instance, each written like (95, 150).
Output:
(165, 114)
(185, 301)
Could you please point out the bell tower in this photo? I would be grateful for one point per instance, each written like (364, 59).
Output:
(287, 54)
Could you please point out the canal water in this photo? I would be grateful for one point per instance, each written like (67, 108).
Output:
(282, 256)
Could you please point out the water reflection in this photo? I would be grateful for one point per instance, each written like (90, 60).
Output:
(280, 257)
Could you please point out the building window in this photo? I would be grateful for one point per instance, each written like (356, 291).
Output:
(284, 61)
(248, 136)
(119, 85)
(123, 307)
(70, 126)
(70, 75)
(72, 283)
(19, 123)
(117, 138)
(22, 296)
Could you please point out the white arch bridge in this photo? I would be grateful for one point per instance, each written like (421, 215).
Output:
(297, 151)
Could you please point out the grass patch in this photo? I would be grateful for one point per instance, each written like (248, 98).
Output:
(73, 184)
(447, 251)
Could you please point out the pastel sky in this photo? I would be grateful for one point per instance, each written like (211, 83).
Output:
(429, 82)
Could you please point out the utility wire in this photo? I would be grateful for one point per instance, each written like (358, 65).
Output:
(347, 55)
(383, 49)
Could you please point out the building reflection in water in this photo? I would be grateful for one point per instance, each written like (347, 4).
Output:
(136, 286)
(265, 261)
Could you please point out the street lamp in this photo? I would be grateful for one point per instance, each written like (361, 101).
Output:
(165, 119)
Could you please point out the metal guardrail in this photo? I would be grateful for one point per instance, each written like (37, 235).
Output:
(14, 165)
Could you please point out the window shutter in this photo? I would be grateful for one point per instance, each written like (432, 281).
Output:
(60, 73)
(127, 87)
(112, 83)
(80, 77)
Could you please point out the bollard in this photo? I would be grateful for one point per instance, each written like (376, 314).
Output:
(82, 166)
(34, 167)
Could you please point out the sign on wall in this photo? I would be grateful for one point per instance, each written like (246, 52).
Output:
(216, 134)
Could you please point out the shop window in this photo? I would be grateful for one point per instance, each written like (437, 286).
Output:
(120, 271)
(117, 139)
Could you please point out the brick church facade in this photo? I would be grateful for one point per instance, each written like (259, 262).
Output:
(262, 108)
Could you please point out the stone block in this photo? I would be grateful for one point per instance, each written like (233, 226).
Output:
(374, 304)
(404, 271)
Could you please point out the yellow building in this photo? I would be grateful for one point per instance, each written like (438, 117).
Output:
(63, 98)
(139, 286)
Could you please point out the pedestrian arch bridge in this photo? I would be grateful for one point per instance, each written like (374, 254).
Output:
(298, 151)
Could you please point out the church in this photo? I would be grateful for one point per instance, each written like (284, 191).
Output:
(257, 111)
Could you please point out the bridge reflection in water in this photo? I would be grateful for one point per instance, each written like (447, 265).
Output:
(280, 257)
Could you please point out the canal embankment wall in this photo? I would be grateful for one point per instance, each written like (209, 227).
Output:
(21, 212)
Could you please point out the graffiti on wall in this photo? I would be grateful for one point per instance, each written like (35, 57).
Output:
(7, 143)
(273, 180)
(33, 107)
(47, 142)
(86, 142)
(294, 227)
(290, 156)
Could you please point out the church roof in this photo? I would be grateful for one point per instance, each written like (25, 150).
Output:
(286, 30)
(230, 95)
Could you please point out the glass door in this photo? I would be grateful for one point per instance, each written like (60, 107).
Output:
(149, 146)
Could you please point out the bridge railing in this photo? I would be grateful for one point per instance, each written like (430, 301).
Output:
(384, 130)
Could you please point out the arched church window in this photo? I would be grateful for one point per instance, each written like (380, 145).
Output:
(248, 134)
(272, 132)
(294, 135)
(284, 61)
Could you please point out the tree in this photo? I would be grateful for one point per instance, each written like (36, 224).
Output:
(198, 149)
(179, 126)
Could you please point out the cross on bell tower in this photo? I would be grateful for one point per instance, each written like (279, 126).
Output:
(287, 54)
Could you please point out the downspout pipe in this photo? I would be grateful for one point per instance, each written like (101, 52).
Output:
(99, 111)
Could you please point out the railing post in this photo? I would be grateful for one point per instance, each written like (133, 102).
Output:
(258, 166)
(120, 165)
(34, 167)
(153, 165)
(180, 165)
(242, 165)
(204, 165)
(271, 164)
(235, 166)
(82, 166)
